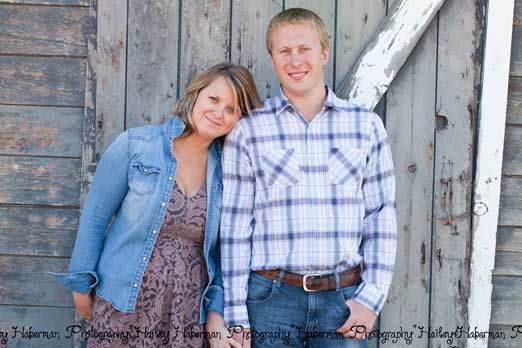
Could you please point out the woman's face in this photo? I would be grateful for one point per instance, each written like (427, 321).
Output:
(214, 113)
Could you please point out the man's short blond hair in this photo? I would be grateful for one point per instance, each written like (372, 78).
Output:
(297, 16)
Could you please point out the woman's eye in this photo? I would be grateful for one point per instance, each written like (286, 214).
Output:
(231, 111)
(212, 98)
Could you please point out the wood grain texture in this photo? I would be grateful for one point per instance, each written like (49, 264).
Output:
(43, 30)
(23, 281)
(512, 339)
(110, 65)
(249, 24)
(517, 16)
(509, 238)
(508, 263)
(33, 180)
(48, 131)
(327, 11)
(40, 319)
(516, 52)
(152, 58)
(48, 2)
(510, 201)
(410, 123)
(383, 57)
(42, 81)
(514, 103)
(38, 231)
(357, 22)
(456, 100)
(205, 28)
(512, 160)
(506, 301)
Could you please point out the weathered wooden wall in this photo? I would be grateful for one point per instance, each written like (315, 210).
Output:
(43, 64)
(506, 306)
(146, 53)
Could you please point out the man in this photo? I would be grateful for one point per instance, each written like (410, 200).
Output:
(309, 198)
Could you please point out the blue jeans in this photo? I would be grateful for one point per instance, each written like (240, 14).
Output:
(283, 315)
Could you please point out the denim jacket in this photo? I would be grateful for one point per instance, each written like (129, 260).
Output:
(133, 183)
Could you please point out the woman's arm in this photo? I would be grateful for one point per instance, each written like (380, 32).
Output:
(109, 187)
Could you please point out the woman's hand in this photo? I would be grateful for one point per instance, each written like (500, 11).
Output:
(218, 333)
(83, 304)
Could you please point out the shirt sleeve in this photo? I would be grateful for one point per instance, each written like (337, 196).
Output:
(237, 221)
(379, 234)
(108, 188)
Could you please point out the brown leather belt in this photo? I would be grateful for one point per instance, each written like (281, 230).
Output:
(311, 282)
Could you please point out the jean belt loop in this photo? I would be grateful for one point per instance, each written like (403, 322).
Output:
(279, 282)
(337, 281)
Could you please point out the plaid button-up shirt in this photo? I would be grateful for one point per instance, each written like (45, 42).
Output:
(307, 197)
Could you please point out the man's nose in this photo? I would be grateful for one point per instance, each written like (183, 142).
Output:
(296, 58)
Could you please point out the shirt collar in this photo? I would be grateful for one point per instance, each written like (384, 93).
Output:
(282, 103)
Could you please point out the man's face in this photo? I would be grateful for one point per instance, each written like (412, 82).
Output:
(298, 59)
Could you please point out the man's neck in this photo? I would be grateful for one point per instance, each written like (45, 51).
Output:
(309, 105)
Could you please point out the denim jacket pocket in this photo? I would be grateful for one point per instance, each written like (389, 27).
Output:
(142, 178)
(281, 168)
(345, 166)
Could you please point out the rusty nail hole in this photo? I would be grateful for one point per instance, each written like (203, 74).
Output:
(441, 122)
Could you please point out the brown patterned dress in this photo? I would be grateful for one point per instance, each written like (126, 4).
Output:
(167, 307)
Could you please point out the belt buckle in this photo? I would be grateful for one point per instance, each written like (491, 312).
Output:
(305, 277)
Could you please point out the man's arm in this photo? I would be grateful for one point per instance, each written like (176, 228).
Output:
(236, 226)
(379, 234)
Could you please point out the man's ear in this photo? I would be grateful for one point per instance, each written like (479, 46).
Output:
(324, 56)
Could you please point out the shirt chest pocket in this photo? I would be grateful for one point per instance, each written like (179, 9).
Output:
(280, 168)
(345, 166)
(143, 178)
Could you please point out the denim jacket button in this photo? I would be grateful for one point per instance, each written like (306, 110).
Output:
(170, 178)
(154, 231)
(144, 258)
(135, 285)
(163, 204)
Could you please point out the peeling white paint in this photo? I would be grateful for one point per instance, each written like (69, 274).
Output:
(492, 119)
(382, 59)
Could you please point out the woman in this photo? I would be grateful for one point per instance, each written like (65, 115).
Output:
(155, 269)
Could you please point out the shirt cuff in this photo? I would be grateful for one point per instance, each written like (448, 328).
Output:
(237, 316)
(216, 300)
(370, 296)
(82, 282)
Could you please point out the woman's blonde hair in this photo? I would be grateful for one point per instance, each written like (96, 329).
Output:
(240, 79)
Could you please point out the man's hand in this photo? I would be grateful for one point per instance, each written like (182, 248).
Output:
(83, 304)
(216, 323)
(242, 337)
(359, 323)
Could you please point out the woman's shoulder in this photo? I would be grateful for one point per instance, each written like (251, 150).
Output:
(146, 133)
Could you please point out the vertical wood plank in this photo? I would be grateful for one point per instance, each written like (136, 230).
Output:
(325, 10)
(205, 39)
(250, 20)
(110, 72)
(152, 57)
(357, 21)
(459, 35)
(410, 123)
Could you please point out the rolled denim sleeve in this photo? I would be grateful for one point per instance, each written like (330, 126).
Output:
(215, 291)
(379, 234)
(108, 188)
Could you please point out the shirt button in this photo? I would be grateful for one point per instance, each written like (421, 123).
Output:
(163, 204)
(170, 178)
